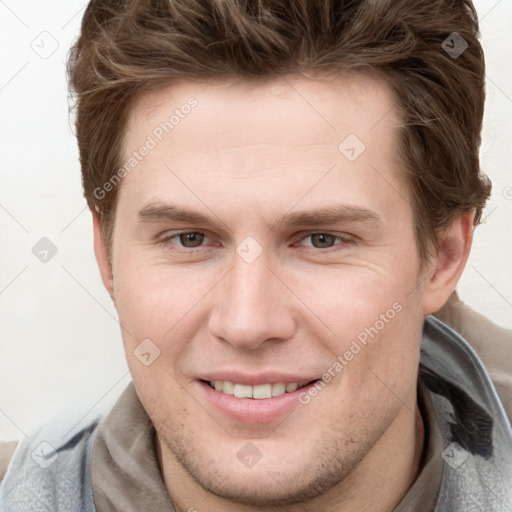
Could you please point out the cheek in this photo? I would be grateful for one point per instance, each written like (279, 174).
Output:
(352, 300)
(374, 332)
(161, 311)
(384, 357)
(152, 299)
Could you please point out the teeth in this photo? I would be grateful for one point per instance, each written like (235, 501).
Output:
(262, 391)
(242, 391)
(228, 388)
(278, 389)
(258, 392)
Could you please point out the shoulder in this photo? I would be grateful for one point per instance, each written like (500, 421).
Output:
(51, 466)
(492, 343)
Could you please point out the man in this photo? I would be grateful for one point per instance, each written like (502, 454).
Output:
(283, 193)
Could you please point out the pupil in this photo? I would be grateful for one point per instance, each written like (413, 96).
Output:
(194, 238)
(324, 239)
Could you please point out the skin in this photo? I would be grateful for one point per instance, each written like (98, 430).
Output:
(249, 153)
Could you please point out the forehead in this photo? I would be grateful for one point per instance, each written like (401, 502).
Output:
(285, 129)
(355, 103)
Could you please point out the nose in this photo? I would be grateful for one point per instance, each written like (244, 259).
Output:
(252, 306)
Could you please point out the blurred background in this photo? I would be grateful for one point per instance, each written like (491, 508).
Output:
(60, 342)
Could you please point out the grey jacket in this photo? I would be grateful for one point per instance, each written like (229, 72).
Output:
(49, 473)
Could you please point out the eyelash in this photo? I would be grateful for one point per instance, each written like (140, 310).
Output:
(345, 240)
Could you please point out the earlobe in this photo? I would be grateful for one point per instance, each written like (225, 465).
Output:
(448, 264)
(100, 251)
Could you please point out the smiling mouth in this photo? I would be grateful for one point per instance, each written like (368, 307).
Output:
(259, 392)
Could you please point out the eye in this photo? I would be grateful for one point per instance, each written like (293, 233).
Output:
(187, 240)
(195, 239)
(327, 240)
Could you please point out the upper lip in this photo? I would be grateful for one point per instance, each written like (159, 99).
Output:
(255, 379)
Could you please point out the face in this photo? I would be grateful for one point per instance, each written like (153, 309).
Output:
(265, 242)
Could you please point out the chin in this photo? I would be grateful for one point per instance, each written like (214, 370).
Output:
(296, 473)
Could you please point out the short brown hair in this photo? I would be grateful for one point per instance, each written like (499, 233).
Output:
(128, 47)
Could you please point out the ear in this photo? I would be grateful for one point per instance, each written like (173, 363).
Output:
(100, 251)
(448, 264)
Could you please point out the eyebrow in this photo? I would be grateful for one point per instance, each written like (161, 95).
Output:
(335, 214)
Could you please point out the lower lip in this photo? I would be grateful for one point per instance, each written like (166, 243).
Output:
(252, 410)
